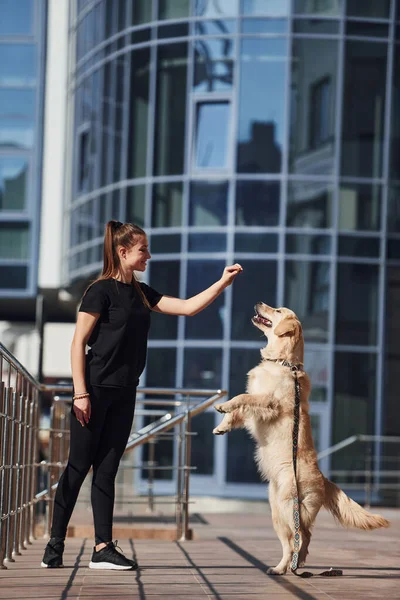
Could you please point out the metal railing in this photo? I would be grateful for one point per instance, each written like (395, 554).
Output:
(371, 469)
(27, 482)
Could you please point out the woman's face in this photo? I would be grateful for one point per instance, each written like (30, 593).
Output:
(136, 257)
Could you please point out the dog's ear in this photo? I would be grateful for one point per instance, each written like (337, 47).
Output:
(288, 326)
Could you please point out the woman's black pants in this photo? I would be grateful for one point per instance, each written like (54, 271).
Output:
(100, 444)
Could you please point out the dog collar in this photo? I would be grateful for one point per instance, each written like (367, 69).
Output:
(285, 363)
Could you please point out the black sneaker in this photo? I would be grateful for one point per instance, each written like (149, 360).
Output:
(53, 554)
(111, 559)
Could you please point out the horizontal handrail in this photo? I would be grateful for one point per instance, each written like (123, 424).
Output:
(357, 438)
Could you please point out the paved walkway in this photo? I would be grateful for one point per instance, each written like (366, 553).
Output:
(228, 559)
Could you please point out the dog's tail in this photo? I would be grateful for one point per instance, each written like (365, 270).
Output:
(347, 512)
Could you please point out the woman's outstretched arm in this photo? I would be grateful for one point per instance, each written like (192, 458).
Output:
(177, 306)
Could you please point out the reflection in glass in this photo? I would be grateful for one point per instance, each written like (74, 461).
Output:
(208, 203)
(170, 109)
(165, 243)
(312, 120)
(141, 12)
(264, 26)
(360, 206)
(256, 242)
(17, 64)
(215, 27)
(393, 221)
(202, 446)
(395, 116)
(14, 240)
(106, 123)
(203, 369)
(13, 179)
(121, 68)
(216, 8)
(164, 277)
(167, 204)
(209, 323)
(326, 8)
(17, 114)
(368, 9)
(307, 286)
(16, 17)
(354, 406)
(212, 242)
(309, 204)
(261, 110)
(315, 26)
(212, 131)
(173, 9)
(363, 109)
(391, 417)
(297, 243)
(13, 277)
(317, 365)
(240, 464)
(213, 64)
(139, 107)
(260, 284)
(356, 321)
(379, 30)
(359, 246)
(257, 202)
(267, 8)
(173, 31)
(135, 205)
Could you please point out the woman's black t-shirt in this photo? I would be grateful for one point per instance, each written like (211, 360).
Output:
(118, 342)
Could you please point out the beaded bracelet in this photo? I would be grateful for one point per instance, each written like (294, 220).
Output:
(78, 396)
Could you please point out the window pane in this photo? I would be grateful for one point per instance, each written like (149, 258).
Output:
(167, 204)
(312, 112)
(393, 222)
(173, 9)
(212, 242)
(367, 29)
(261, 110)
(359, 246)
(210, 8)
(309, 204)
(106, 123)
(264, 26)
(13, 277)
(139, 108)
(392, 353)
(395, 117)
(363, 112)
(267, 8)
(203, 369)
(135, 205)
(256, 242)
(13, 179)
(354, 409)
(208, 203)
(307, 287)
(14, 240)
(121, 69)
(170, 109)
(17, 114)
(315, 26)
(240, 464)
(257, 202)
(141, 12)
(209, 323)
(212, 130)
(317, 365)
(16, 17)
(164, 244)
(164, 277)
(356, 320)
(331, 8)
(308, 244)
(202, 446)
(368, 9)
(17, 64)
(260, 285)
(360, 207)
(215, 28)
(213, 65)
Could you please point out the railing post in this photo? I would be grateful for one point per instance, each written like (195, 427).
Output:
(150, 476)
(368, 476)
(179, 479)
(12, 498)
(16, 538)
(186, 475)
(50, 475)
(5, 453)
(35, 460)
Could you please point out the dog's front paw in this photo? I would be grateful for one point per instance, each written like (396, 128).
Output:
(220, 408)
(218, 431)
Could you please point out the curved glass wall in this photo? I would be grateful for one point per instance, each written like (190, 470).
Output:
(259, 131)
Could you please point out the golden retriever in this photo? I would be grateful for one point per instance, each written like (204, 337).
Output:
(266, 411)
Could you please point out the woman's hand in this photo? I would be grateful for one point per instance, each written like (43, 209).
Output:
(230, 273)
(82, 409)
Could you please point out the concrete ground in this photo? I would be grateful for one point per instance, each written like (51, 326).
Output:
(228, 559)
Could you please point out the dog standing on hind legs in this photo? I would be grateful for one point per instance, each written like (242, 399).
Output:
(267, 412)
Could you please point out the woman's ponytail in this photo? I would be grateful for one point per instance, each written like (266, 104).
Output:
(110, 262)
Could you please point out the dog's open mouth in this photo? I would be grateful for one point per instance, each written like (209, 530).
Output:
(263, 320)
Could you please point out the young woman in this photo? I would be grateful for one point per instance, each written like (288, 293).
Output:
(113, 320)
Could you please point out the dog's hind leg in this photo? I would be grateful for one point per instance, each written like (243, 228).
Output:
(233, 420)
(283, 531)
(306, 538)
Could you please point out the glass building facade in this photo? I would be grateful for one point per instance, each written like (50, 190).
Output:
(22, 63)
(264, 132)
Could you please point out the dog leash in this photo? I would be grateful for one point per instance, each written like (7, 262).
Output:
(296, 503)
